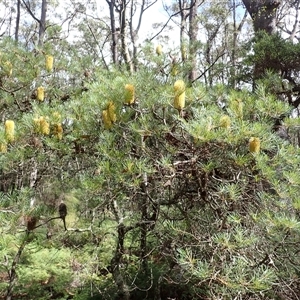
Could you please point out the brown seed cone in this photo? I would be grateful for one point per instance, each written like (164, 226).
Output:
(62, 210)
(31, 222)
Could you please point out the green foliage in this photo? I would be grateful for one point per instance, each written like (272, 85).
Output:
(160, 204)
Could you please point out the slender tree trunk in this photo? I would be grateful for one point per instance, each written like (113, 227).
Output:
(123, 31)
(18, 20)
(193, 30)
(114, 31)
(42, 28)
(183, 26)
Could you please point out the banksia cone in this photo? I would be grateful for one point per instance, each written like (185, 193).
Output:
(40, 93)
(129, 94)
(42, 125)
(56, 117)
(31, 223)
(62, 210)
(45, 126)
(106, 119)
(8, 68)
(10, 130)
(225, 122)
(49, 63)
(58, 130)
(3, 148)
(254, 145)
(159, 50)
(237, 107)
(179, 89)
(111, 112)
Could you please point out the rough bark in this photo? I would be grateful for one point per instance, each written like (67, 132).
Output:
(18, 20)
(123, 31)
(114, 31)
(42, 28)
(193, 31)
(263, 14)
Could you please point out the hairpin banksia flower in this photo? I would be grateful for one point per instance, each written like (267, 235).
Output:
(8, 68)
(41, 125)
(254, 145)
(106, 119)
(237, 107)
(10, 130)
(58, 130)
(159, 50)
(179, 99)
(40, 93)
(111, 111)
(49, 63)
(129, 94)
(3, 147)
(225, 122)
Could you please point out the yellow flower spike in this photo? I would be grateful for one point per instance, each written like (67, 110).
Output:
(159, 50)
(254, 145)
(106, 120)
(49, 63)
(237, 106)
(174, 69)
(225, 122)
(44, 126)
(40, 93)
(3, 148)
(56, 117)
(129, 94)
(10, 130)
(8, 68)
(111, 112)
(58, 130)
(179, 100)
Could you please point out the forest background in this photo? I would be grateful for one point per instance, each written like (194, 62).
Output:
(159, 164)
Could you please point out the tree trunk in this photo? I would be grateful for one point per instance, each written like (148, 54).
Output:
(123, 31)
(193, 30)
(114, 31)
(183, 25)
(42, 28)
(18, 20)
(263, 14)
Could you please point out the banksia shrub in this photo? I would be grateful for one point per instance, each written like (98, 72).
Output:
(10, 130)
(159, 50)
(179, 99)
(40, 93)
(49, 63)
(129, 94)
(225, 122)
(254, 145)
